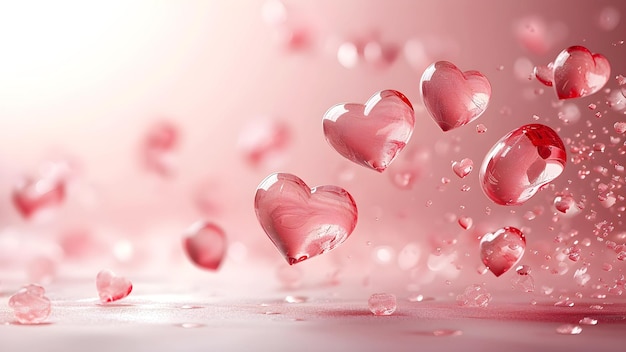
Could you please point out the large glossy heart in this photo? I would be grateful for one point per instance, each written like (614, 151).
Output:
(373, 134)
(303, 222)
(579, 73)
(454, 98)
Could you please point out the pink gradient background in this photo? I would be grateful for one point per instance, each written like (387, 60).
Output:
(86, 81)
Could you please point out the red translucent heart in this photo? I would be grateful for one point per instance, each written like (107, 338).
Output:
(373, 134)
(545, 74)
(454, 98)
(303, 222)
(520, 163)
(501, 250)
(579, 73)
(112, 287)
(205, 245)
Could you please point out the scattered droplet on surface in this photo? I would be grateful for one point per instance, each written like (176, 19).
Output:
(382, 303)
(474, 296)
(112, 287)
(303, 222)
(205, 245)
(480, 128)
(190, 325)
(569, 329)
(454, 98)
(447, 332)
(501, 250)
(373, 134)
(588, 321)
(30, 305)
(296, 299)
(520, 163)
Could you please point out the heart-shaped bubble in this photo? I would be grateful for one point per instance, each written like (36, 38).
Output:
(112, 287)
(521, 162)
(373, 134)
(579, 73)
(303, 222)
(463, 168)
(454, 98)
(501, 250)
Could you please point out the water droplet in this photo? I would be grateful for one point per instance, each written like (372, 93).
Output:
(382, 303)
(189, 306)
(296, 299)
(480, 128)
(565, 302)
(447, 332)
(474, 296)
(588, 321)
(520, 163)
(189, 325)
(569, 329)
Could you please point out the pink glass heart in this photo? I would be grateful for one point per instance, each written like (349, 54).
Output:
(465, 222)
(31, 196)
(112, 287)
(501, 250)
(579, 73)
(520, 163)
(545, 74)
(303, 222)
(205, 245)
(463, 168)
(30, 305)
(373, 134)
(454, 98)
